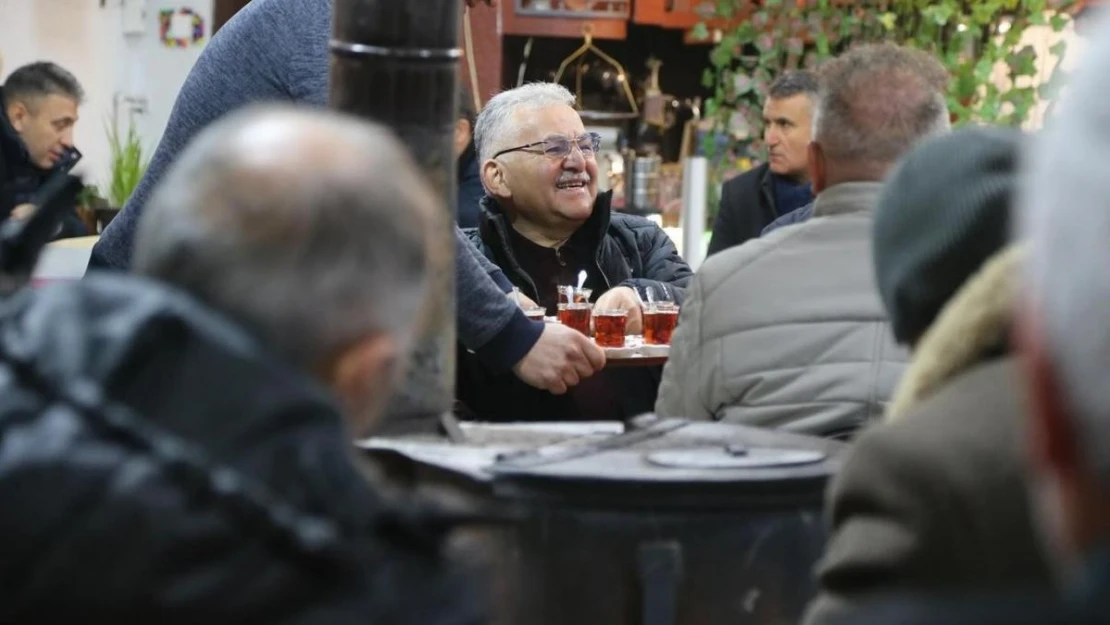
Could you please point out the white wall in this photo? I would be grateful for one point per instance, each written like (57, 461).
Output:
(89, 40)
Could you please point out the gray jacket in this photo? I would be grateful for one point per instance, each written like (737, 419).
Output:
(787, 331)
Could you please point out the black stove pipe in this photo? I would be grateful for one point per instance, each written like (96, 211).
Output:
(396, 62)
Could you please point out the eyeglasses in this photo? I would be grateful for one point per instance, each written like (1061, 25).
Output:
(560, 147)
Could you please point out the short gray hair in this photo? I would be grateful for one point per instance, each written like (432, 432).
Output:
(876, 101)
(496, 118)
(1064, 213)
(40, 79)
(310, 228)
(794, 82)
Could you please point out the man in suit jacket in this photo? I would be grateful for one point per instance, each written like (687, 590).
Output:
(755, 198)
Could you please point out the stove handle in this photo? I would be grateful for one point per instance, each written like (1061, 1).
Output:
(660, 568)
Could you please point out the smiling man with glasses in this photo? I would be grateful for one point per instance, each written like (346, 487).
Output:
(543, 222)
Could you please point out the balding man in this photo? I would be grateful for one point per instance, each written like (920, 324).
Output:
(175, 450)
(276, 223)
(787, 331)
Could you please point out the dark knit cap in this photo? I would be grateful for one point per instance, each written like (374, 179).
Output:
(944, 210)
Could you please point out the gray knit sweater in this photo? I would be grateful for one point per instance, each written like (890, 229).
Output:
(277, 50)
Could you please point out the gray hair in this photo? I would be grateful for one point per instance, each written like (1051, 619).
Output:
(496, 118)
(1064, 212)
(794, 82)
(41, 79)
(307, 227)
(876, 101)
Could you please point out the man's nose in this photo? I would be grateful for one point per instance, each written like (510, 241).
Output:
(67, 138)
(576, 160)
(771, 137)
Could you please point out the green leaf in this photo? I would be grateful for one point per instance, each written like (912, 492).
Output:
(721, 56)
(711, 107)
(1059, 48)
(983, 69)
(708, 78)
(888, 20)
(939, 14)
(822, 45)
(1058, 21)
(700, 31)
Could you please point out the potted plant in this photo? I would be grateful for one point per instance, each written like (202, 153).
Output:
(128, 164)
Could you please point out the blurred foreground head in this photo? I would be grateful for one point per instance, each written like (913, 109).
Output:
(308, 228)
(943, 213)
(1065, 329)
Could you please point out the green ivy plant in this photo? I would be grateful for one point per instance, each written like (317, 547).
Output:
(970, 37)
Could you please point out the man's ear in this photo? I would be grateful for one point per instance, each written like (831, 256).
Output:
(364, 377)
(817, 174)
(1054, 445)
(462, 135)
(18, 114)
(494, 179)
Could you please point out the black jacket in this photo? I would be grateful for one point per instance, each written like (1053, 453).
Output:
(158, 466)
(629, 251)
(747, 207)
(20, 179)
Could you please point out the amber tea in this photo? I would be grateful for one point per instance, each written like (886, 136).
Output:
(575, 316)
(659, 325)
(609, 327)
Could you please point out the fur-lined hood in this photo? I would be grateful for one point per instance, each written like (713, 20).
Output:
(975, 321)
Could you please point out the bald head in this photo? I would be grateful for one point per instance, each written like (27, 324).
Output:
(308, 227)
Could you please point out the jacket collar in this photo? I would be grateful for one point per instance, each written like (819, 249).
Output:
(494, 225)
(846, 198)
(468, 163)
(974, 323)
(12, 148)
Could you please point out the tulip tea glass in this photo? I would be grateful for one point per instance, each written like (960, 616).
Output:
(609, 327)
(660, 314)
(576, 315)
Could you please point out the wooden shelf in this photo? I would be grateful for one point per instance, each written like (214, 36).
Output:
(564, 23)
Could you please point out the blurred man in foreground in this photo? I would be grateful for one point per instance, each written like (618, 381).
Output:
(933, 499)
(1064, 339)
(179, 453)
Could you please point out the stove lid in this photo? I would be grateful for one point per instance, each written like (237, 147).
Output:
(651, 462)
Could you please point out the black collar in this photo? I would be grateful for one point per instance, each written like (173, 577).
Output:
(12, 148)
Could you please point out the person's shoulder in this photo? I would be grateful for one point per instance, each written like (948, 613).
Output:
(276, 23)
(636, 223)
(751, 178)
(965, 426)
